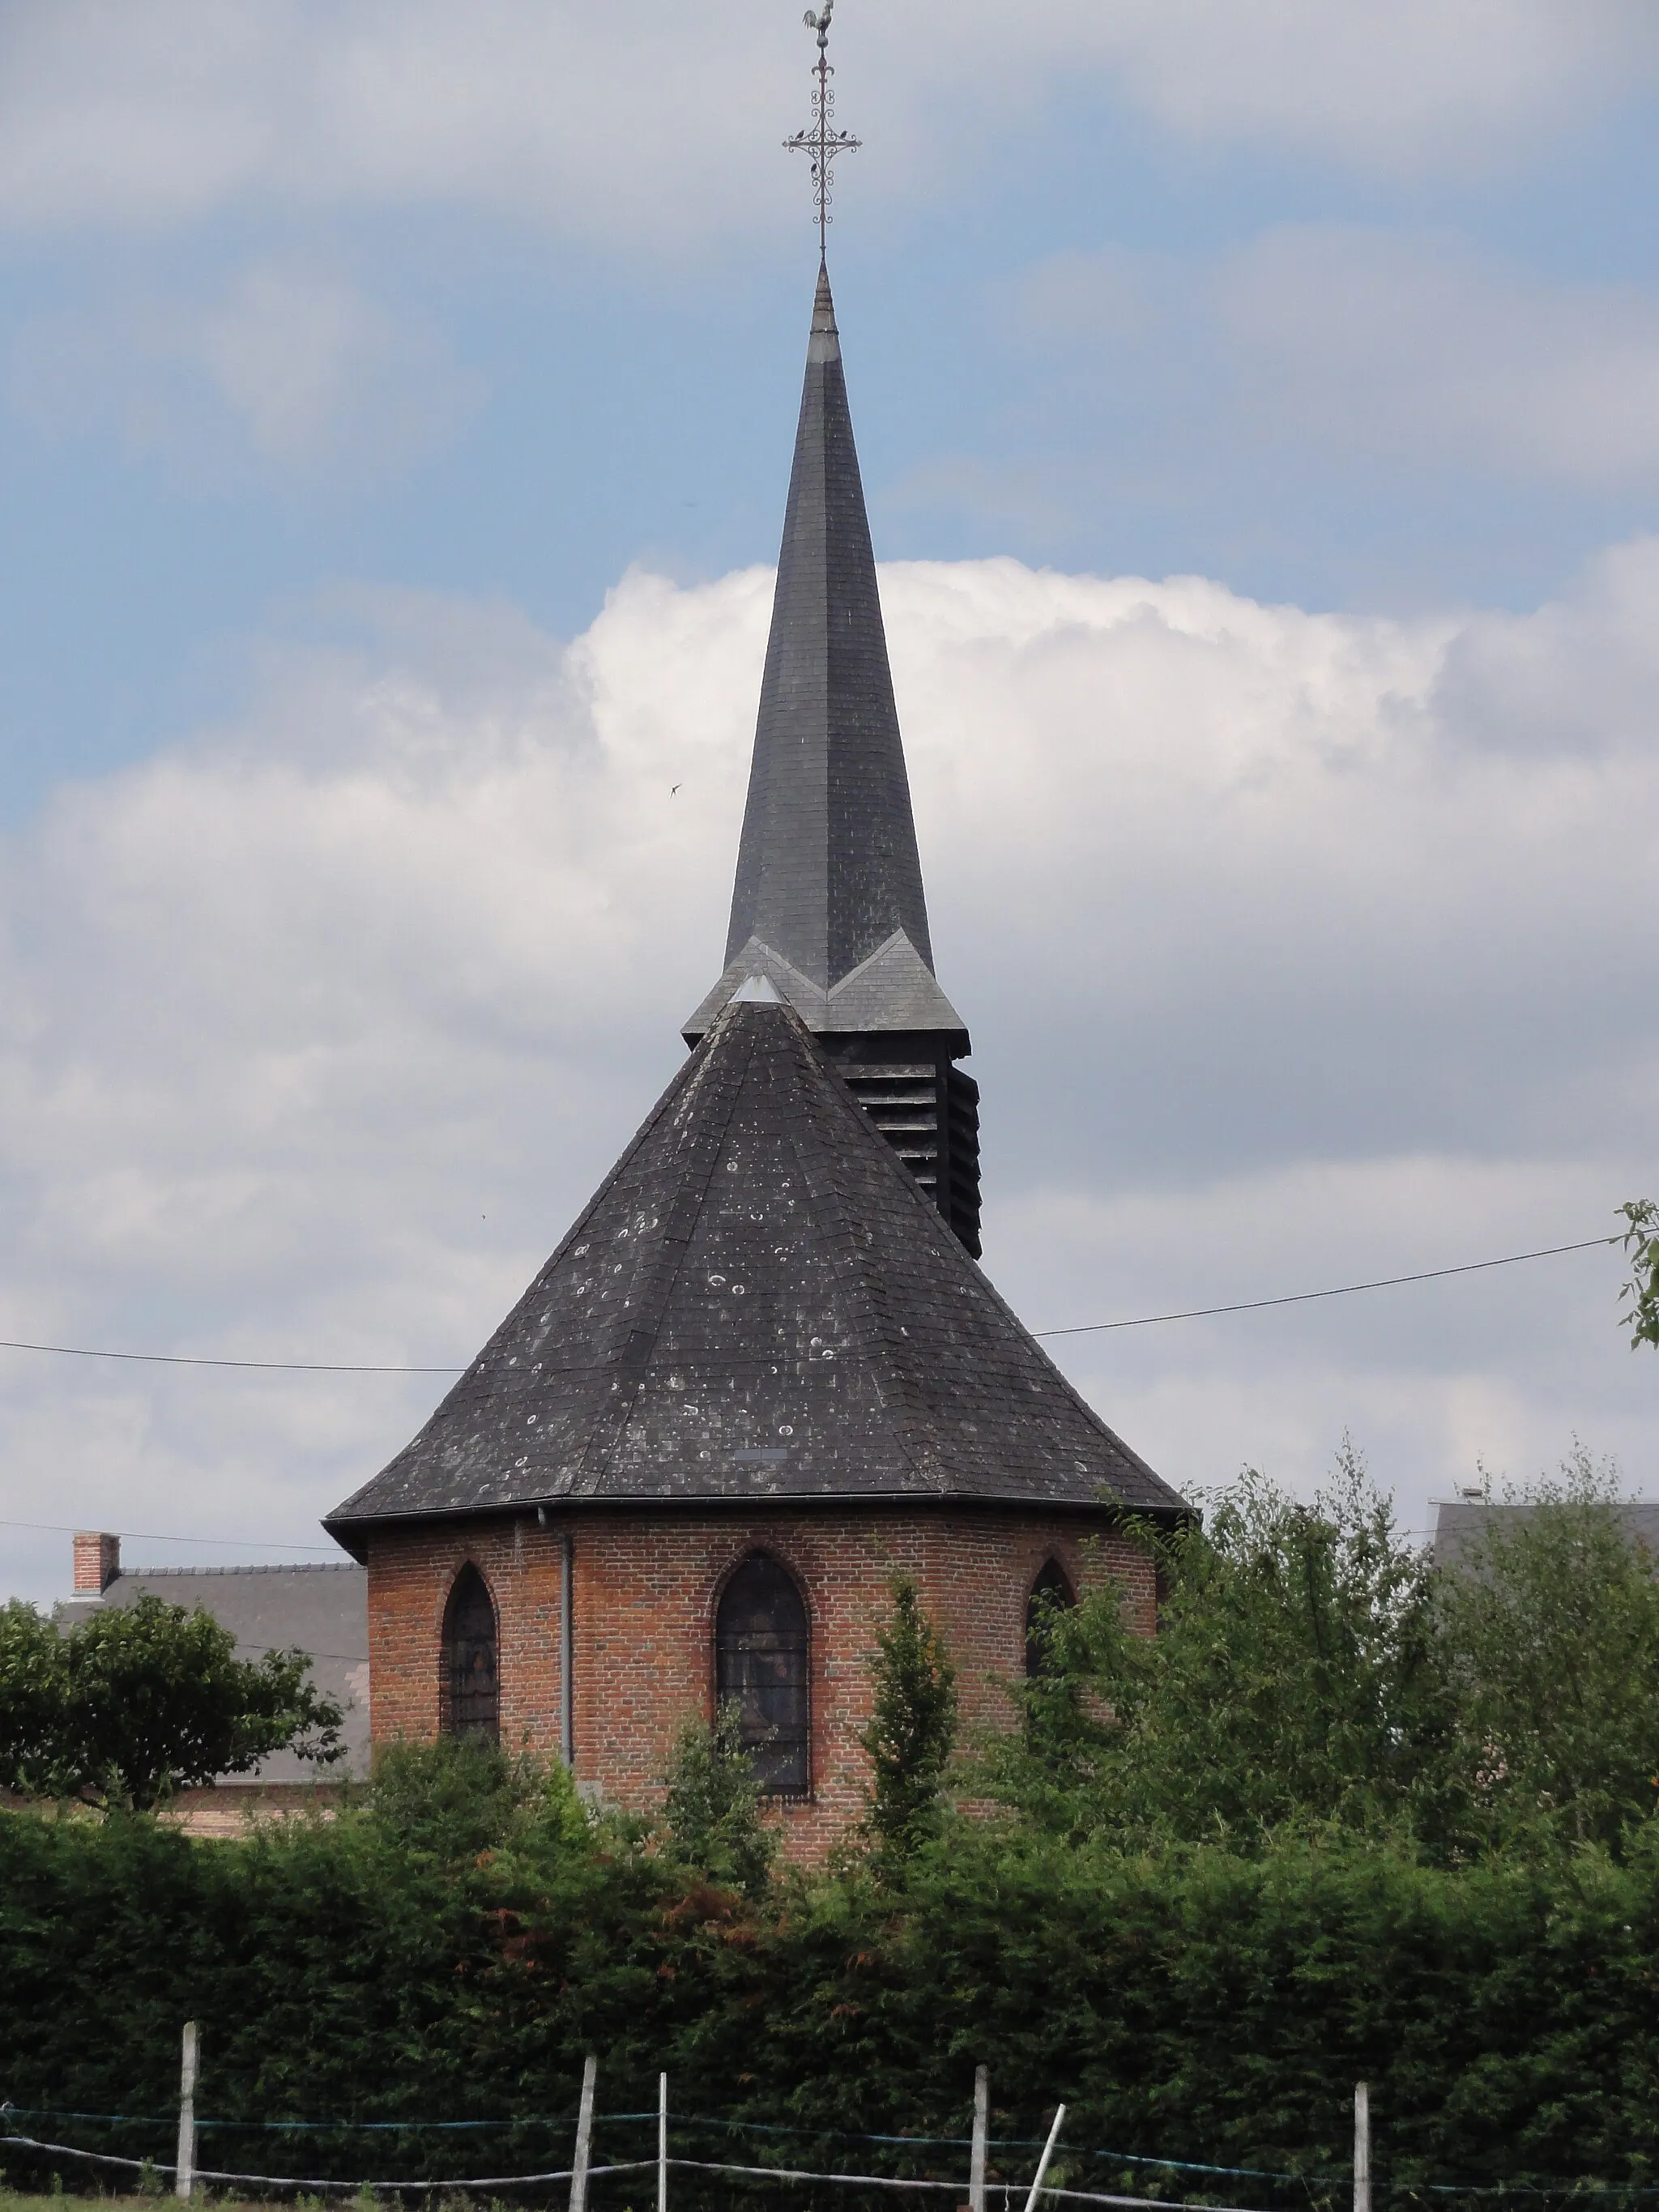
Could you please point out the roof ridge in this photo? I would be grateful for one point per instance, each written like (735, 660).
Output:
(886, 1331)
(474, 1381)
(252, 1567)
(947, 1245)
(609, 1421)
(851, 1278)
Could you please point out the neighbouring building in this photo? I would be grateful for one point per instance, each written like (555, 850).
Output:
(322, 1610)
(763, 1372)
(1461, 1524)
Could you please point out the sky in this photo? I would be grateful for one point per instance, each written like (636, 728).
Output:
(1259, 411)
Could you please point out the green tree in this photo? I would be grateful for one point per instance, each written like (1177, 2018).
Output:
(444, 1801)
(912, 1731)
(144, 1699)
(712, 1807)
(1292, 1679)
(1547, 1630)
(31, 1701)
(1640, 1296)
(1312, 1669)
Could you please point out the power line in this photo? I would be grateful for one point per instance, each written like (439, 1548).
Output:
(187, 1359)
(1078, 1329)
(149, 1536)
(1341, 1291)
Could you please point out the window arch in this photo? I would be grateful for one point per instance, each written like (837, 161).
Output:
(472, 1681)
(1049, 1589)
(761, 1654)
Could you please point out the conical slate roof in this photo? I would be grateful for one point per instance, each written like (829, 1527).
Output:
(828, 882)
(758, 1304)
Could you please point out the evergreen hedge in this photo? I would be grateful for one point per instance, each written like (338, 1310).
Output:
(1189, 2004)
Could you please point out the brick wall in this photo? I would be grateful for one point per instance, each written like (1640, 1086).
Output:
(646, 1587)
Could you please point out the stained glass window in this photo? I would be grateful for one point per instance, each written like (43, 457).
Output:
(760, 1666)
(472, 1696)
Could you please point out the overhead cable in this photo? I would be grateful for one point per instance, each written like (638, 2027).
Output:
(1076, 1328)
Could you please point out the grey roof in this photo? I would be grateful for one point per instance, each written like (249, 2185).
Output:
(759, 1304)
(1459, 1525)
(893, 990)
(828, 875)
(322, 1610)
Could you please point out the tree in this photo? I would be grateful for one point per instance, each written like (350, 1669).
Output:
(912, 1731)
(31, 1701)
(1548, 1626)
(1292, 1680)
(143, 1701)
(444, 1801)
(712, 1807)
(1313, 1670)
(1640, 1295)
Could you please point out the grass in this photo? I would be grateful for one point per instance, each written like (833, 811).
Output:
(13, 2200)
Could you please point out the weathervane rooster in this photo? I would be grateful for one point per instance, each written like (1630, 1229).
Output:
(819, 139)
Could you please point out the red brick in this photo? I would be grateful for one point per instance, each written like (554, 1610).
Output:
(645, 1585)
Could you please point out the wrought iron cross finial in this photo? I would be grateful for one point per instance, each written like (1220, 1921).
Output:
(820, 140)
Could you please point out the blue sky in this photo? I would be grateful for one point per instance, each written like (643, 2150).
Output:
(362, 366)
(519, 398)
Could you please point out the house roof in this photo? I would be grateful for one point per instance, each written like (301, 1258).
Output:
(323, 1609)
(829, 881)
(758, 1304)
(1460, 1524)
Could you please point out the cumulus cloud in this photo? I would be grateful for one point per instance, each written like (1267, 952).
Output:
(291, 364)
(634, 121)
(1293, 955)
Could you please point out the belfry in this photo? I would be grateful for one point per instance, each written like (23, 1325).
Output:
(763, 1372)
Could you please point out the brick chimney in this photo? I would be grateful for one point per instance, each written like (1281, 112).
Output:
(97, 1562)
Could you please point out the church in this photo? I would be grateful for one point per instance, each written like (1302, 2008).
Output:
(763, 1373)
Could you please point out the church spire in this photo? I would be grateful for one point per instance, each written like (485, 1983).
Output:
(828, 871)
(828, 904)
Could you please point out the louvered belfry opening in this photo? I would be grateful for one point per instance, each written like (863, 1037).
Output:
(471, 1676)
(927, 1110)
(1051, 1589)
(761, 1666)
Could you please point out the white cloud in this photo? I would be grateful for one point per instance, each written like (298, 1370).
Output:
(292, 363)
(1294, 951)
(1394, 84)
(636, 121)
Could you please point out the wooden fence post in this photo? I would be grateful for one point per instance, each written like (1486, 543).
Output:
(185, 2180)
(982, 2131)
(662, 2142)
(1043, 2163)
(584, 2137)
(1362, 2147)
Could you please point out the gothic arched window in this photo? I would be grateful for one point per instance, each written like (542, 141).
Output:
(471, 1684)
(1050, 1589)
(760, 1666)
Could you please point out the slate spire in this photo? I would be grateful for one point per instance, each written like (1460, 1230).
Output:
(827, 903)
(828, 867)
(828, 872)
